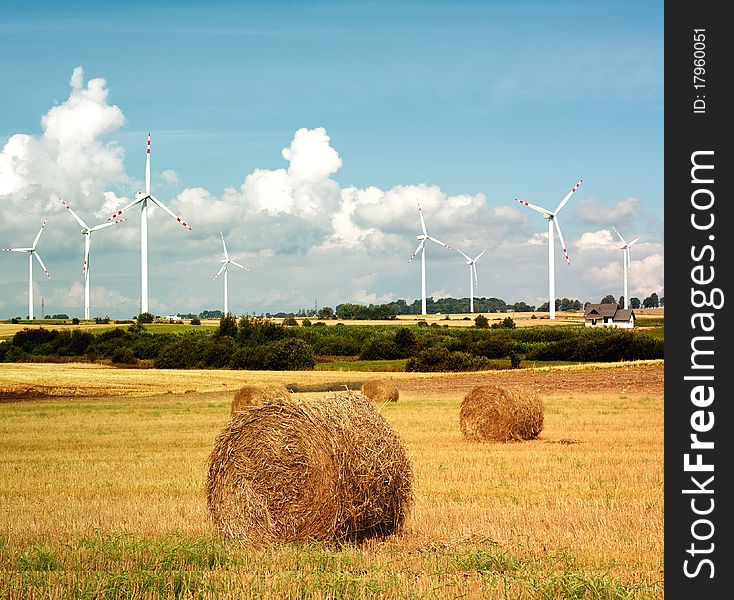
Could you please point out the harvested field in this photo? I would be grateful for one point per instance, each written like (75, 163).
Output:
(19, 381)
(577, 512)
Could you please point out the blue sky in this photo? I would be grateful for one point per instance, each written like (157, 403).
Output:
(465, 104)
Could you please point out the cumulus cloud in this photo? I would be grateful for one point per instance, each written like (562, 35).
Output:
(591, 212)
(69, 158)
(170, 176)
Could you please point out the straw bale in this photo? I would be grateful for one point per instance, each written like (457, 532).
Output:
(255, 395)
(380, 391)
(501, 414)
(329, 469)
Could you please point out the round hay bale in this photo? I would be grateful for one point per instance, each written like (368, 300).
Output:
(330, 469)
(499, 414)
(380, 391)
(255, 395)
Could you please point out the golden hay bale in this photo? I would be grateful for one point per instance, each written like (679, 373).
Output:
(499, 414)
(380, 391)
(254, 395)
(330, 469)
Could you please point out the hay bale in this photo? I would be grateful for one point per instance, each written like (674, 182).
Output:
(330, 469)
(499, 414)
(255, 395)
(380, 391)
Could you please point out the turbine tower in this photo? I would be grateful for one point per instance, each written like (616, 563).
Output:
(142, 198)
(626, 262)
(422, 249)
(472, 262)
(227, 261)
(87, 233)
(551, 217)
(31, 251)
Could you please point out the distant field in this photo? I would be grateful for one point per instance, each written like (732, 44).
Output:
(653, 316)
(102, 473)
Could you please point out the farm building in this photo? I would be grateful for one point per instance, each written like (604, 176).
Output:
(609, 315)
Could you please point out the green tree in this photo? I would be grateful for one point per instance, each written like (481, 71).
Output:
(481, 322)
(145, 317)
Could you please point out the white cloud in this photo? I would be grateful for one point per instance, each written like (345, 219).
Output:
(592, 212)
(68, 158)
(170, 176)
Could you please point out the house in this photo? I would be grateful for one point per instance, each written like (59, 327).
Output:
(609, 315)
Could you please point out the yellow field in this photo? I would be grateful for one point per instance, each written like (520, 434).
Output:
(101, 491)
(457, 320)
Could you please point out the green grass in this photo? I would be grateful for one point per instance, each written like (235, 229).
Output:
(206, 567)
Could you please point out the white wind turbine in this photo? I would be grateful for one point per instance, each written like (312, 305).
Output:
(552, 218)
(626, 262)
(142, 198)
(87, 233)
(422, 249)
(227, 261)
(31, 253)
(472, 262)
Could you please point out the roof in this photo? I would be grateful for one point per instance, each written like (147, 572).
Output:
(609, 310)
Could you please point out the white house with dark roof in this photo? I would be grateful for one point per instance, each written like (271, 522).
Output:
(609, 315)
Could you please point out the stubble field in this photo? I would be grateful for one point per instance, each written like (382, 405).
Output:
(102, 473)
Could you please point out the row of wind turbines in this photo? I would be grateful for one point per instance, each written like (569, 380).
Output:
(552, 218)
(141, 199)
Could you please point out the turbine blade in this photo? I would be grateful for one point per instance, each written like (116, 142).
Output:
(563, 202)
(439, 242)
(474, 270)
(147, 168)
(629, 261)
(38, 258)
(38, 235)
(224, 246)
(17, 249)
(126, 208)
(423, 223)
(635, 240)
(236, 264)
(417, 250)
(224, 266)
(619, 235)
(563, 244)
(103, 225)
(169, 211)
(73, 214)
(87, 245)
(480, 255)
(464, 255)
(540, 209)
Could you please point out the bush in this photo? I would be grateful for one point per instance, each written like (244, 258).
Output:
(227, 326)
(218, 352)
(10, 353)
(506, 323)
(257, 331)
(441, 359)
(75, 321)
(319, 324)
(290, 321)
(288, 355)
(306, 323)
(145, 317)
(381, 348)
(124, 356)
(406, 341)
(481, 322)
(195, 321)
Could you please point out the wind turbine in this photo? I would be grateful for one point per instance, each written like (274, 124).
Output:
(472, 262)
(31, 253)
(422, 249)
(227, 261)
(87, 233)
(552, 218)
(142, 198)
(626, 262)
